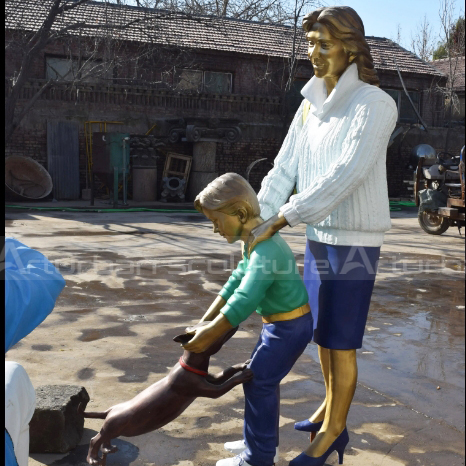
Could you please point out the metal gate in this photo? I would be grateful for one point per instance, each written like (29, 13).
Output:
(63, 158)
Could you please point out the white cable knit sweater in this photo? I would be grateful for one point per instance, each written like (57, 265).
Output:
(337, 161)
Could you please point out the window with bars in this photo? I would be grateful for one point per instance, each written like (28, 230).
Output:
(212, 82)
(68, 69)
(406, 113)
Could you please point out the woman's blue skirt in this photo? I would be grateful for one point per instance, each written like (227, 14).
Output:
(339, 281)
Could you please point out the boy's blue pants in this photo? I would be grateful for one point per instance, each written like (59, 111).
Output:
(280, 345)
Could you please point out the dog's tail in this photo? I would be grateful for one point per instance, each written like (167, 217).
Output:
(94, 415)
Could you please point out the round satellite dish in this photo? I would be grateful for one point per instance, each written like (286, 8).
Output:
(424, 150)
(26, 179)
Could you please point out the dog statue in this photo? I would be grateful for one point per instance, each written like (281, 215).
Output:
(166, 399)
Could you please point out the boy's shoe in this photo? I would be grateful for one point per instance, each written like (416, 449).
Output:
(239, 446)
(235, 447)
(236, 461)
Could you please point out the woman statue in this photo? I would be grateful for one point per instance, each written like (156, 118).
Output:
(334, 154)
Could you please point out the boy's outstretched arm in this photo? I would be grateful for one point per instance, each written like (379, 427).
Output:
(228, 289)
(214, 309)
(208, 334)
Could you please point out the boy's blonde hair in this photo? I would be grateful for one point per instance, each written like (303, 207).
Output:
(228, 193)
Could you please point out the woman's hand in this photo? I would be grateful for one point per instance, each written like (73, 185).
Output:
(265, 231)
(208, 334)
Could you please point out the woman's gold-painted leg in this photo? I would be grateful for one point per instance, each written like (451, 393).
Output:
(319, 414)
(343, 374)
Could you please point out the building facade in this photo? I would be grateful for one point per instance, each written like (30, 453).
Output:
(203, 71)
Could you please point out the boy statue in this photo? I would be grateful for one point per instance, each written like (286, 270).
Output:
(266, 281)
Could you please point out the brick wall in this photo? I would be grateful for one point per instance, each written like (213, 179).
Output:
(238, 156)
(136, 111)
(29, 143)
(261, 139)
(255, 101)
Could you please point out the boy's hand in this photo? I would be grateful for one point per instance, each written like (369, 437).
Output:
(265, 231)
(203, 338)
(208, 334)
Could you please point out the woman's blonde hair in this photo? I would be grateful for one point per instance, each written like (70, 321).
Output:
(345, 24)
(228, 193)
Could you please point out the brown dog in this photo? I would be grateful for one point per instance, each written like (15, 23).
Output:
(166, 399)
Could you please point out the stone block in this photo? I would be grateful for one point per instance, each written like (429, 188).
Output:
(204, 156)
(56, 426)
(144, 184)
(86, 194)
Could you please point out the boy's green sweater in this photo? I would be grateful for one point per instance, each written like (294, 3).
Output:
(268, 282)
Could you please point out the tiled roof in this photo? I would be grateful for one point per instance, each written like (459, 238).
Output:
(458, 69)
(200, 32)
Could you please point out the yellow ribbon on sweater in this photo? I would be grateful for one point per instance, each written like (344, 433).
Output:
(307, 107)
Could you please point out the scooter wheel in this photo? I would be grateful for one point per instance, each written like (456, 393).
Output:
(433, 223)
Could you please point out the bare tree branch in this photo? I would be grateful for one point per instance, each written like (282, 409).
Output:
(446, 14)
(94, 48)
(422, 43)
(36, 41)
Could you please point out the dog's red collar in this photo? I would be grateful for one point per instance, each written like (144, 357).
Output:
(192, 369)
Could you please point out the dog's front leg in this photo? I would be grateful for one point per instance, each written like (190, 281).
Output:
(209, 390)
(229, 372)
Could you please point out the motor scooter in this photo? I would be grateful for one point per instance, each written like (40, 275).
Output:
(439, 189)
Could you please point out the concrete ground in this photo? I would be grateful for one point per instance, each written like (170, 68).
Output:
(137, 279)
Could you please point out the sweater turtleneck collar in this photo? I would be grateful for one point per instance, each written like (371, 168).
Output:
(316, 92)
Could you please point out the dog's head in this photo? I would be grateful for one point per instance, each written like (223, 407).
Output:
(214, 347)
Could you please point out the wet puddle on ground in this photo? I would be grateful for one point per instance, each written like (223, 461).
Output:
(413, 347)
